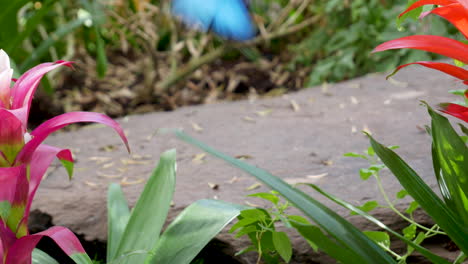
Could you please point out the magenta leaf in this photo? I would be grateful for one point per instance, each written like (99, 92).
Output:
(58, 122)
(21, 251)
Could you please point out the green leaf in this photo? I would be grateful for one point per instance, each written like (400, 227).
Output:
(188, 234)
(365, 174)
(243, 223)
(355, 155)
(266, 196)
(282, 245)
(370, 151)
(412, 206)
(434, 258)
(423, 194)
(344, 232)
(367, 207)
(450, 160)
(258, 214)
(150, 212)
(40, 257)
(410, 231)
(318, 240)
(401, 194)
(381, 238)
(118, 214)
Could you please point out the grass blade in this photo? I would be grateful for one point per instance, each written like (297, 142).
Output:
(434, 258)
(336, 226)
(188, 234)
(150, 212)
(117, 219)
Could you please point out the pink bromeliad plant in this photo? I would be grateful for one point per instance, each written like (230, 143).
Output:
(24, 160)
(456, 12)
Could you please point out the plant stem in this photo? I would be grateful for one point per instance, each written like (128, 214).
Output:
(390, 204)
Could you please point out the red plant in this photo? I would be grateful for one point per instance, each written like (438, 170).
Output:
(24, 160)
(456, 12)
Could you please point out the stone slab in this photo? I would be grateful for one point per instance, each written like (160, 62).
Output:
(292, 144)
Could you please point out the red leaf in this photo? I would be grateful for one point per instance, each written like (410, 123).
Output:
(455, 14)
(449, 69)
(456, 110)
(441, 45)
(427, 2)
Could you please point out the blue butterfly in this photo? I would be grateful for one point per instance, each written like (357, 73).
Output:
(227, 18)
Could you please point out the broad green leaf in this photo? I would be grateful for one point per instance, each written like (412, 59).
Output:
(340, 229)
(282, 245)
(423, 194)
(450, 160)
(40, 257)
(118, 214)
(189, 233)
(5, 207)
(429, 255)
(150, 212)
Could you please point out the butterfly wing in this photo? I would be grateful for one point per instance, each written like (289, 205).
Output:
(233, 21)
(196, 13)
(227, 18)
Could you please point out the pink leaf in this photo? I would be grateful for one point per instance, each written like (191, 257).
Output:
(41, 160)
(24, 88)
(441, 45)
(58, 122)
(21, 251)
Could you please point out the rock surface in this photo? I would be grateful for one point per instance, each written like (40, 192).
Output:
(299, 137)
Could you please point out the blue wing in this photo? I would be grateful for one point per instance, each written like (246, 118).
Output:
(227, 18)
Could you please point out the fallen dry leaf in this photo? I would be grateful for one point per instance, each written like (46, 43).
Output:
(199, 158)
(196, 127)
(91, 184)
(295, 106)
(264, 113)
(213, 186)
(253, 186)
(249, 119)
(125, 181)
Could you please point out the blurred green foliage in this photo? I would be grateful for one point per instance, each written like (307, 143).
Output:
(340, 46)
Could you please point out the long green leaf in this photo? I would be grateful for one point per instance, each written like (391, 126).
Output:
(117, 218)
(150, 212)
(429, 255)
(317, 237)
(188, 234)
(423, 194)
(40, 257)
(450, 157)
(340, 229)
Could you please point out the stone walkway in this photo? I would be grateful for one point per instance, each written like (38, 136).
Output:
(299, 137)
